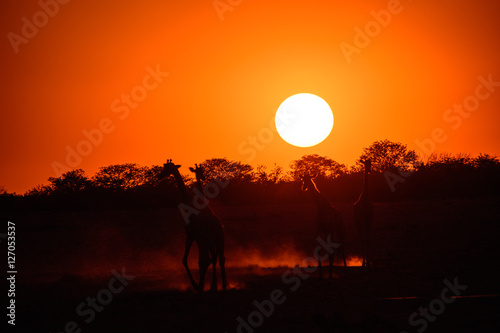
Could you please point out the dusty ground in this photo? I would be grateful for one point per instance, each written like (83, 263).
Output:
(64, 258)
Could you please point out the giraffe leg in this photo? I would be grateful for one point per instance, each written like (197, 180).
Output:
(367, 246)
(222, 261)
(203, 263)
(213, 258)
(331, 258)
(189, 243)
(363, 249)
(365, 259)
(362, 252)
(342, 249)
(319, 267)
(318, 256)
(341, 233)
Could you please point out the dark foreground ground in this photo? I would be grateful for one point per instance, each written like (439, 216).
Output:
(65, 259)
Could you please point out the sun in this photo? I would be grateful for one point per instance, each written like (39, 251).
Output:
(304, 120)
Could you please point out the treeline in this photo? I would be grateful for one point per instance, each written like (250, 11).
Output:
(397, 173)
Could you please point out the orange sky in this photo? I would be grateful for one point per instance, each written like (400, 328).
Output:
(227, 78)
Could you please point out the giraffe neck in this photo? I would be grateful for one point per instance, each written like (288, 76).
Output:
(318, 198)
(199, 186)
(185, 196)
(365, 184)
(324, 209)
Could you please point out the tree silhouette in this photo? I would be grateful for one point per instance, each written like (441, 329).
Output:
(387, 155)
(321, 165)
(460, 175)
(131, 185)
(276, 175)
(121, 176)
(226, 170)
(40, 190)
(69, 182)
(152, 175)
(261, 176)
(446, 161)
(486, 161)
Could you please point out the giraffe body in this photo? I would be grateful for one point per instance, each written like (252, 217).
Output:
(329, 223)
(204, 228)
(363, 215)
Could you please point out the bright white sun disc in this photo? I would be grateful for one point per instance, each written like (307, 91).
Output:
(304, 120)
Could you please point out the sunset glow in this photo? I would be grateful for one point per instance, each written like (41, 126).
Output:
(100, 83)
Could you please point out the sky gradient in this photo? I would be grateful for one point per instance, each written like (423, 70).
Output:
(188, 81)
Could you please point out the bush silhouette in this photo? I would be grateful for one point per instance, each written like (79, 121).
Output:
(387, 155)
(130, 186)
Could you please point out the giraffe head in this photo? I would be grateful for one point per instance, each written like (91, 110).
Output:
(199, 172)
(169, 168)
(308, 181)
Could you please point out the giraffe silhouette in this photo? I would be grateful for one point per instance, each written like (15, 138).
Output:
(329, 221)
(363, 214)
(200, 177)
(204, 228)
